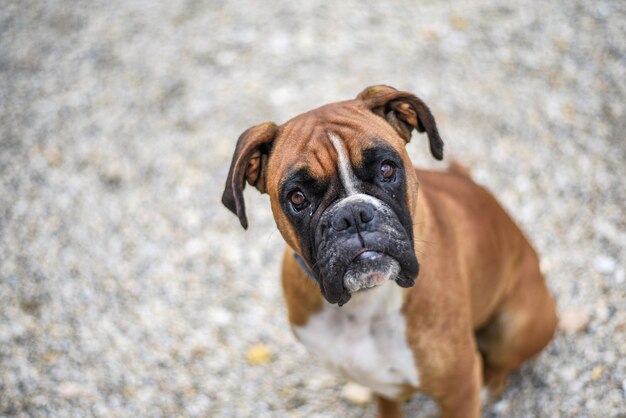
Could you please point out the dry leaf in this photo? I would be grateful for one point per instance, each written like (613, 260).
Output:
(259, 354)
(596, 373)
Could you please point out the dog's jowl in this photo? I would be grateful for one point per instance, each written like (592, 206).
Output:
(401, 279)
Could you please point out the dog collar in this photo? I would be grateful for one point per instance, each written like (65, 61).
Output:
(305, 268)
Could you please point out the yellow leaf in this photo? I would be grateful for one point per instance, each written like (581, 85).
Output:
(458, 23)
(259, 354)
(596, 373)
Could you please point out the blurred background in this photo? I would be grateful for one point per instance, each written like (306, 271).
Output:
(126, 289)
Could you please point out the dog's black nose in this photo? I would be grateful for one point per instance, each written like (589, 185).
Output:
(353, 215)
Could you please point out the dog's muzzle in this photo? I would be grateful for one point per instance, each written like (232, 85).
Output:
(360, 244)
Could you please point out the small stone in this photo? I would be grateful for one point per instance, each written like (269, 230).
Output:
(258, 354)
(315, 383)
(596, 373)
(604, 264)
(501, 408)
(356, 394)
(602, 311)
(573, 320)
(568, 373)
(70, 390)
(221, 316)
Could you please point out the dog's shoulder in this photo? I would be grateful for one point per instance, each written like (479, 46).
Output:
(464, 209)
(456, 188)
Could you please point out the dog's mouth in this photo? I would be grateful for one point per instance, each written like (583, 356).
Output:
(369, 269)
(367, 254)
(353, 253)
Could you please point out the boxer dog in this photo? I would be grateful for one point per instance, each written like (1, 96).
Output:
(401, 279)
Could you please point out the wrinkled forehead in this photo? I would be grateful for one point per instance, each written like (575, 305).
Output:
(325, 139)
(322, 154)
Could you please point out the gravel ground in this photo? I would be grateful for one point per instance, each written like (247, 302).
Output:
(127, 290)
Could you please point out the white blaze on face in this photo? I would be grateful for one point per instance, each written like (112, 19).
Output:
(343, 163)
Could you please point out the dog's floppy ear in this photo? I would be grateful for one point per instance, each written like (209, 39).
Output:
(249, 164)
(405, 112)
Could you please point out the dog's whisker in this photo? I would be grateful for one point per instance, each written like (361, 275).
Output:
(269, 237)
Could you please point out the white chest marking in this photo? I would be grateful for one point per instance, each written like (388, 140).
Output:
(365, 340)
(343, 162)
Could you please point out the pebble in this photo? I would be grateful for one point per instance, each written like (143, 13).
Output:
(568, 373)
(501, 407)
(71, 390)
(573, 320)
(357, 394)
(604, 264)
(602, 311)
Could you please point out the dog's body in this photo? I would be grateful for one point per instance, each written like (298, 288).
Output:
(348, 202)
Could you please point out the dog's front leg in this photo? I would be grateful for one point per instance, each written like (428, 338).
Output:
(388, 408)
(462, 399)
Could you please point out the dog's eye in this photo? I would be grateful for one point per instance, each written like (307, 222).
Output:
(387, 171)
(298, 200)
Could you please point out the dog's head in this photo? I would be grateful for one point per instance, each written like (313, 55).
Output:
(341, 185)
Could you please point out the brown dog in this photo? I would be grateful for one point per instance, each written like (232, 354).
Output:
(357, 217)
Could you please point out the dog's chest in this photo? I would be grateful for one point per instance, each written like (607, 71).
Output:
(365, 340)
